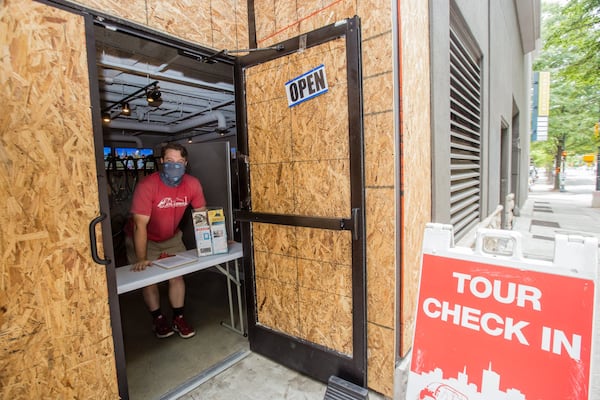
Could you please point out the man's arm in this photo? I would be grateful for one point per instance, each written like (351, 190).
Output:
(140, 241)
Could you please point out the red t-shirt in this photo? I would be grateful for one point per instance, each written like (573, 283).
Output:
(165, 204)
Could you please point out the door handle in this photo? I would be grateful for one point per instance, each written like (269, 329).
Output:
(93, 242)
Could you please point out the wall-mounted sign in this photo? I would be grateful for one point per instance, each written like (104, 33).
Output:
(306, 86)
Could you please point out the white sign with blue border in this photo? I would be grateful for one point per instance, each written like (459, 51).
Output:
(306, 86)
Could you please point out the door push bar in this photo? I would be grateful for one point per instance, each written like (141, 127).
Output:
(341, 224)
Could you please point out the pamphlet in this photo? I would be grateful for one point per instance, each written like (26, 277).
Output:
(173, 261)
(216, 219)
(202, 233)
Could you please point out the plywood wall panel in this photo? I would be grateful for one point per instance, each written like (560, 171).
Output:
(277, 239)
(328, 126)
(223, 24)
(333, 197)
(377, 55)
(264, 20)
(326, 319)
(272, 188)
(187, 19)
(380, 358)
(241, 24)
(416, 138)
(322, 244)
(217, 24)
(380, 257)
(277, 306)
(378, 91)
(286, 16)
(269, 142)
(332, 54)
(276, 267)
(326, 277)
(261, 81)
(375, 17)
(55, 332)
(380, 151)
(134, 10)
(325, 13)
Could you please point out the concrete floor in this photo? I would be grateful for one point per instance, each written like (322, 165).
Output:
(215, 364)
(156, 367)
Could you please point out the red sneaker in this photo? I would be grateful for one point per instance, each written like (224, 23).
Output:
(161, 327)
(181, 326)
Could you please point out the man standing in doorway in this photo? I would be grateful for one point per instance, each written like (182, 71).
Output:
(159, 203)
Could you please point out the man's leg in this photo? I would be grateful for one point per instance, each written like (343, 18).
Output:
(177, 299)
(161, 327)
(151, 297)
(177, 292)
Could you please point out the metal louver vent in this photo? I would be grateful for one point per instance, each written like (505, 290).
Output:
(465, 136)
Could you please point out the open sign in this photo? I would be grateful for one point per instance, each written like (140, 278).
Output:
(306, 86)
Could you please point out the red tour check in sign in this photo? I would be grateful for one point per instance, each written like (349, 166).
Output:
(502, 328)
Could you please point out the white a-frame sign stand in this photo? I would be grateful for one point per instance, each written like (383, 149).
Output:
(493, 325)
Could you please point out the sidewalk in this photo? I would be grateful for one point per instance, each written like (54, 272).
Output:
(548, 212)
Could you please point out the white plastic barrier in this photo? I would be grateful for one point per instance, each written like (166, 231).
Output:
(492, 325)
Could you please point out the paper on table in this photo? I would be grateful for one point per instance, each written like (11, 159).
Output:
(173, 261)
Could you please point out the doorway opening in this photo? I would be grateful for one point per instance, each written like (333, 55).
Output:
(152, 92)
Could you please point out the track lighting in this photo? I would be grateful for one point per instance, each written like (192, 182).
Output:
(125, 110)
(106, 117)
(153, 95)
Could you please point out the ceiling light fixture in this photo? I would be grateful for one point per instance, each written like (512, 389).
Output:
(124, 101)
(125, 110)
(153, 95)
(106, 117)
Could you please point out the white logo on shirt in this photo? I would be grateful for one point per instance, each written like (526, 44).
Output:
(168, 202)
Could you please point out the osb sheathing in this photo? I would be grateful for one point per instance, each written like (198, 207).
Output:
(217, 24)
(303, 275)
(416, 137)
(55, 332)
(280, 20)
(304, 283)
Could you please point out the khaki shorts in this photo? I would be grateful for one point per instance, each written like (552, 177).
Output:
(171, 246)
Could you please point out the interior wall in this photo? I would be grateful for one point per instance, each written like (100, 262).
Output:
(55, 329)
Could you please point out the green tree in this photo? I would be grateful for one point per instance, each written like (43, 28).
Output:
(571, 53)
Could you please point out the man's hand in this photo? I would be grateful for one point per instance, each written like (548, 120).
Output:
(141, 265)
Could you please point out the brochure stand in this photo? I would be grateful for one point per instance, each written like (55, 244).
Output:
(494, 325)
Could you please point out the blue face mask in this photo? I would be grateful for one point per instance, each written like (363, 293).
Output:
(172, 173)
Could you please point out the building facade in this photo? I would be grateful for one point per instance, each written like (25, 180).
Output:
(444, 90)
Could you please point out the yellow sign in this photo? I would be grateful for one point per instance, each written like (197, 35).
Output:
(588, 158)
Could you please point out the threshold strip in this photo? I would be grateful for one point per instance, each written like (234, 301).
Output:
(206, 375)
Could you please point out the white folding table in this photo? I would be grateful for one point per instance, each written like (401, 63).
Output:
(128, 280)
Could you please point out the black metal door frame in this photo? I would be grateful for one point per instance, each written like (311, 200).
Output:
(303, 356)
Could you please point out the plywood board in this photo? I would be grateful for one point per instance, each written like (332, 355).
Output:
(55, 331)
(304, 283)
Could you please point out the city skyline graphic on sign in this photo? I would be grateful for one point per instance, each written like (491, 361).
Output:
(432, 385)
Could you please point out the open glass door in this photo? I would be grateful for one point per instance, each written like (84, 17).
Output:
(302, 202)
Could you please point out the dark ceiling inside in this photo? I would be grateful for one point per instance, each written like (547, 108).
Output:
(196, 97)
